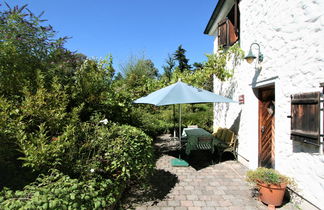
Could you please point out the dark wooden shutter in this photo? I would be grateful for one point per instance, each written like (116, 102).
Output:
(305, 118)
(226, 33)
(222, 33)
(322, 101)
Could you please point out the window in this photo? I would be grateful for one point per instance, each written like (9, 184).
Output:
(305, 118)
(228, 28)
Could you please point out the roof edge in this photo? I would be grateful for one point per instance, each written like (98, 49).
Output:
(214, 16)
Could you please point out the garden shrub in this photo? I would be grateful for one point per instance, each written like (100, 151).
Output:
(105, 159)
(7, 131)
(153, 124)
(45, 130)
(59, 191)
(155, 120)
(12, 174)
(118, 152)
(198, 114)
(132, 150)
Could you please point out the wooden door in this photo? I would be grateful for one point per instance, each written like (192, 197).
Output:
(267, 127)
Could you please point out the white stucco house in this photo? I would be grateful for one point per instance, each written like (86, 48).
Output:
(279, 121)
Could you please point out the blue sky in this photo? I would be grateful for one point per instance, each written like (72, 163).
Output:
(126, 28)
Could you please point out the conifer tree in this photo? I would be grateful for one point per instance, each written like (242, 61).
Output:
(180, 56)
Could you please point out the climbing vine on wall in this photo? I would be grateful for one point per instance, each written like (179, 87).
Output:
(221, 64)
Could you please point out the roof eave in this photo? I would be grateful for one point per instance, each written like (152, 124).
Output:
(214, 16)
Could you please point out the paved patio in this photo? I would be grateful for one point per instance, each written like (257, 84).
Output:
(218, 186)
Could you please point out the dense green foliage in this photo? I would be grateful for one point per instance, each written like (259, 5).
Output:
(51, 105)
(59, 191)
(109, 158)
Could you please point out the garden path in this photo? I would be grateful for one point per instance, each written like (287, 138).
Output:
(218, 186)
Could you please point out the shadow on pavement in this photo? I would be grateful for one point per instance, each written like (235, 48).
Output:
(198, 159)
(157, 188)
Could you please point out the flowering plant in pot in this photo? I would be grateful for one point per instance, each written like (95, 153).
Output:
(270, 183)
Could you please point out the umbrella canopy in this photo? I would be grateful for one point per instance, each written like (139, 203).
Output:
(182, 93)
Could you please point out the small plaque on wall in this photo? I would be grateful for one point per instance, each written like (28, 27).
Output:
(241, 99)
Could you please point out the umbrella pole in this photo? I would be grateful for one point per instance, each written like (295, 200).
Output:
(180, 122)
(174, 122)
(180, 130)
(179, 162)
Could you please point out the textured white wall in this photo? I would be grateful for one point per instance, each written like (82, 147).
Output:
(291, 35)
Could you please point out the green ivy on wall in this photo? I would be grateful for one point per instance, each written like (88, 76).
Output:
(221, 64)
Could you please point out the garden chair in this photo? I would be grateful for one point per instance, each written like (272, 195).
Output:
(227, 142)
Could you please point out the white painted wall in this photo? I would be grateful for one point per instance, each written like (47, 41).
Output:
(291, 35)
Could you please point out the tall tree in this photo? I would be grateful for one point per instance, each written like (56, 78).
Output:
(180, 56)
(168, 68)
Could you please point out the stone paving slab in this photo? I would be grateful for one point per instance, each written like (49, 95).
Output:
(219, 186)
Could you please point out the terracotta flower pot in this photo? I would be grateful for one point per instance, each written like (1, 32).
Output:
(272, 194)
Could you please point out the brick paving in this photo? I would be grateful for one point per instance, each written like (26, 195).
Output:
(218, 186)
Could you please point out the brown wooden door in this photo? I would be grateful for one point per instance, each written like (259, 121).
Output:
(267, 127)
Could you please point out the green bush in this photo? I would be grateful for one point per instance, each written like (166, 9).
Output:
(153, 124)
(12, 174)
(105, 159)
(44, 129)
(198, 114)
(155, 120)
(118, 152)
(59, 191)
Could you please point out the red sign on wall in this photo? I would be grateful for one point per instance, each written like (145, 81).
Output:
(241, 99)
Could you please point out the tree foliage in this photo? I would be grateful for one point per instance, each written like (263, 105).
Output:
(182, 60)
(169, 67)
(26, 48)
(51, 103)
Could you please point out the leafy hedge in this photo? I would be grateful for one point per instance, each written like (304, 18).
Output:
(104, 163)
(155, 123)
(59, 191)
(118, 152)
(155, 120)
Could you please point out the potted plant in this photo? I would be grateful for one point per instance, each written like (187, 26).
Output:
(271, 185)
